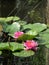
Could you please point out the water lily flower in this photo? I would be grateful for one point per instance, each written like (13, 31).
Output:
(18, 34)
(30, 45)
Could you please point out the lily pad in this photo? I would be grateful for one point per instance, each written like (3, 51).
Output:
(13, 27)
(2, 19)
(8, 19)
(16, 46)
(38, 27)
(11, 46)
(28, 36)
(24, 53)
(16, 18)
(4, 46)
(45, 37)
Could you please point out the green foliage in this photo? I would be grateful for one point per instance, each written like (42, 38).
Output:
(4, 25)
(22, 22)
(24, 53)
(2, 19)
(16, 46)
(28, 36)
(38, 27)
(11, 46)
(4, 22)
(16, 18)
(13, 28)
(44, 36)
(8, 19)
(4, 46)
(32, 1)
(31, 31)
(35, 16)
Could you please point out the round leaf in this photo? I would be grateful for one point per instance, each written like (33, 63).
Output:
(38, 27)
(16, 46)
(14, 27)
(16, 18)
(44, 36)
(47, 46)
(8, 19)
(28, 36)
(24, 53)
(11, 46)
(2, 19)
(4, 46)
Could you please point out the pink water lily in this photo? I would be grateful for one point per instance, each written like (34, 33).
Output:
(30, 45)
(18, 34)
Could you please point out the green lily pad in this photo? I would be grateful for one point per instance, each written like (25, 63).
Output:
(4, 46)
(44, 36)
(28, 36)
(2, 19)
(8, 19)
(22, 22)
(13, 28)
(24, 53)
(16, 18)
(47, 46)
(11, 46)
(38, 27)
(16, 46)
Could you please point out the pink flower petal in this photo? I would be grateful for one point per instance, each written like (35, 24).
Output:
(30, 44)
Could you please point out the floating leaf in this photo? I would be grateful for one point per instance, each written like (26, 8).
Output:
(16, 18)
(24, 53)
(45, 37)
(16, 46)
(11, 46)
(22, 22)
(2, 19)
(4, 25)
(31, 32)
(47, 46)
(7, 29)
(8, 19)
(36, 26)
(13, 27)
(28, 36)
(4, 46)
